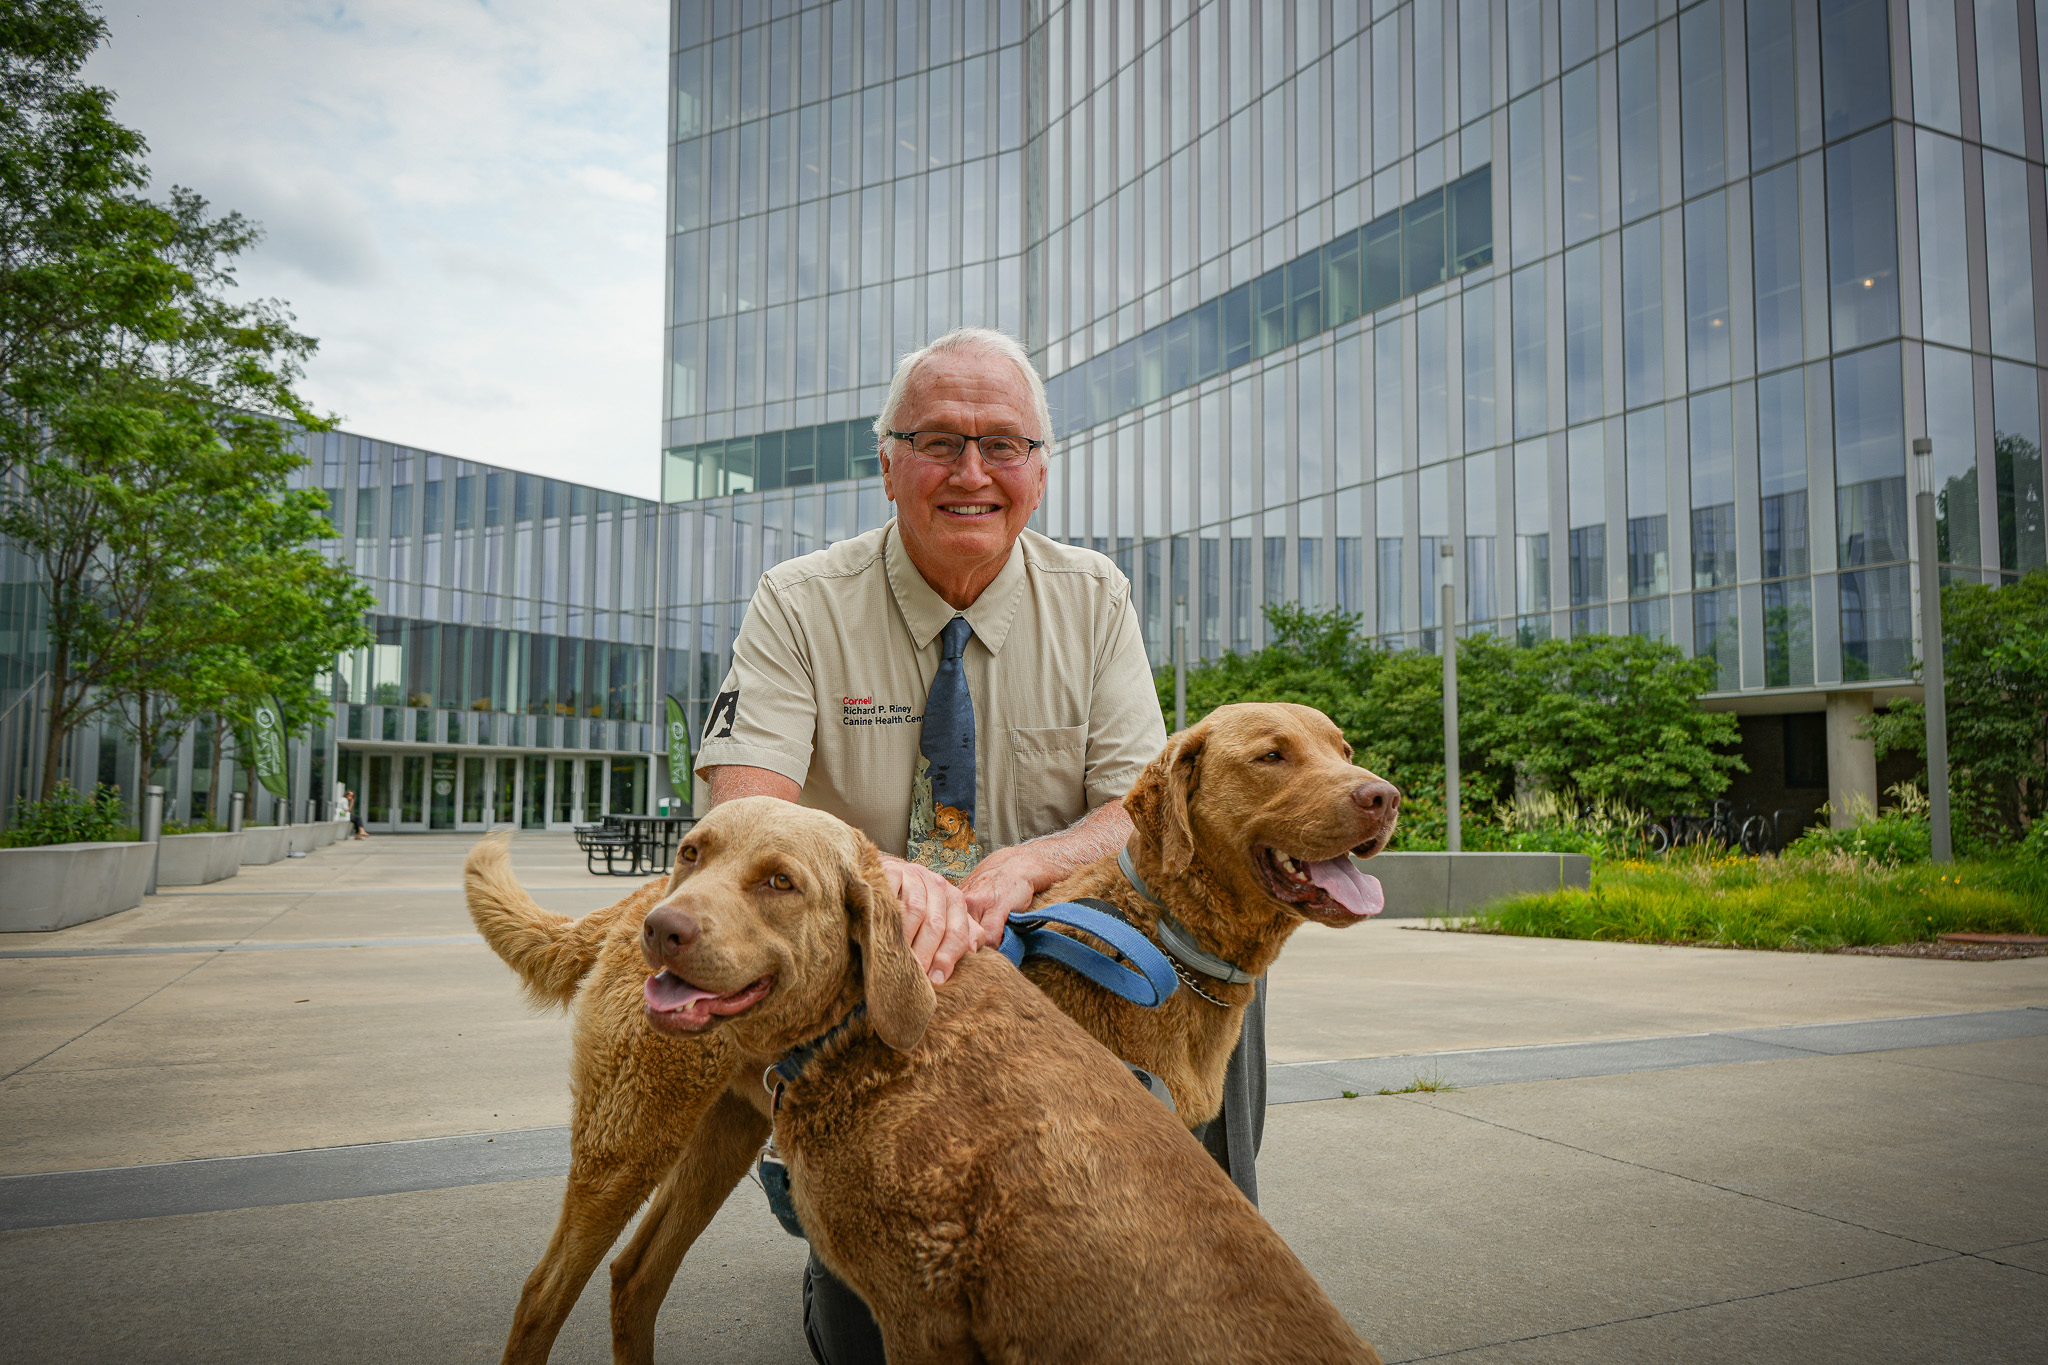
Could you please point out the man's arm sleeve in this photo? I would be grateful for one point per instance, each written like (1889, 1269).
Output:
(1125, 728)
(767, 708)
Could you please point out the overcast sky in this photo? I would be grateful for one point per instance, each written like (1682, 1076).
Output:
(462, 201)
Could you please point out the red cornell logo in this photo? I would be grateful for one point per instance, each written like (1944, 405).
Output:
(858, 701)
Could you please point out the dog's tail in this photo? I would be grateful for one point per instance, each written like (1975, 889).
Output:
(552, 953)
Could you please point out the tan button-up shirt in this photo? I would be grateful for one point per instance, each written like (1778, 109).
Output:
(837, 654)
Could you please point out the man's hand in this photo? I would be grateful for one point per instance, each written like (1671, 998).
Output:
(1004, 883)
(936, 923)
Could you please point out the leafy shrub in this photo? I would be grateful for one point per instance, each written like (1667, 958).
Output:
(66, 817)
(1996, 661)
(1898, 835)
(206, 826)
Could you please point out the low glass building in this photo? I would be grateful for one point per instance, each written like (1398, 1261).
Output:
(1633, 308)
(512, 676)
(511, 679)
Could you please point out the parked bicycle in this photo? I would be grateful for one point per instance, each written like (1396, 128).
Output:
(1753, 835)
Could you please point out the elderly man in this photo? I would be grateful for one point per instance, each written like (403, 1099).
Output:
(974, 696)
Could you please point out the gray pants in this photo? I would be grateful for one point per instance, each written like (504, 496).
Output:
(837, 1323)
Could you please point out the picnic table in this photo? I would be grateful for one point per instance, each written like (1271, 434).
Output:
(632, 845)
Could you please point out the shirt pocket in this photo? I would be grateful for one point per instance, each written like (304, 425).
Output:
(1049, 776)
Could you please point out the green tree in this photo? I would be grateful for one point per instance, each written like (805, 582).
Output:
(143, 411)
(1996, 667)
(1608, 717)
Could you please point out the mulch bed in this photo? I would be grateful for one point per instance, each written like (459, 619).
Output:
(1973, 950)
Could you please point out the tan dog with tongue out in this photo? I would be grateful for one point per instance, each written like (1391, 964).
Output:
(1244, 829)
(983, 1173)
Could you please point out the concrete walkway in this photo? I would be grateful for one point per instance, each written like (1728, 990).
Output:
(340, 1138)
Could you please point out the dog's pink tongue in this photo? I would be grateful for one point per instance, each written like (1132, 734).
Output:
(1347, 886)
(666, 991)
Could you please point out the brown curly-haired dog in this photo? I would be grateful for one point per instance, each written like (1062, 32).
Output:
(985, 1209)
(1243, 825)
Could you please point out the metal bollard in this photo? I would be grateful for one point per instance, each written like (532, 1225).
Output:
(153, 831)
(235, 801)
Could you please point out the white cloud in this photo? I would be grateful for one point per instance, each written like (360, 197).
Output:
(462, 202)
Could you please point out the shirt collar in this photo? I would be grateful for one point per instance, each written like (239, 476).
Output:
(926, 613)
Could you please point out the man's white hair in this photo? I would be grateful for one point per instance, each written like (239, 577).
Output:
(967, 338)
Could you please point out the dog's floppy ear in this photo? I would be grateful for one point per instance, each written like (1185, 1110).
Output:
(1158, 801)
(900, 999)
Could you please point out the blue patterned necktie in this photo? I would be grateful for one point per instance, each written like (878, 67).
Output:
(942, 835)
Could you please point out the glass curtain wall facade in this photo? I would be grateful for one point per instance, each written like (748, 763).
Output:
(1633, 307)
(511, 679)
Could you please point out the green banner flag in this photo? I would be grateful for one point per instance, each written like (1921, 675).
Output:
(267, 725)
(678, 751)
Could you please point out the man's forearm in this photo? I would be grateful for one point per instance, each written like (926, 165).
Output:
(1098, 834)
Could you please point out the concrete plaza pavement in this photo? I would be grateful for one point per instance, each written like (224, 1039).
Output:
(1858, 1190)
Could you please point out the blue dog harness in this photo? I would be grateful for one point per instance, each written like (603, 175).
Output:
(1146, 982)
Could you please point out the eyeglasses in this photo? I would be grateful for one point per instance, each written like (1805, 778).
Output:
(946, 447)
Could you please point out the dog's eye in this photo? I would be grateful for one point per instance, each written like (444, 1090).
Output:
(781, 882)
(689, 853)
(1272, 756)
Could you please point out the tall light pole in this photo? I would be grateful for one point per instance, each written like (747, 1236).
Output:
(1932, 672)
(1180, 663)
(1454, 837)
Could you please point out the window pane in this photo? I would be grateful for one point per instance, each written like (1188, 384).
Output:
(1944, 259)
(1642, 311)
(1862, 240)
(1585, 396)
(1432, 384)
(1532, 379)
(1935, 98)
(1703, 117)
(1781, 470)
(1581, 100)
(1952, 426)
(1706, 291)
(1641, 191)
(1855, 65)
(1479, 378)
(1998, 76)
(2008, 258)
(1870, 458)
(2016, 463)
(1525, 178)
(1773, 85)
(1774, 247)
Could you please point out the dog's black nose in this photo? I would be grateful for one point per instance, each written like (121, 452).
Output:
(1379, 797)
(666, 929)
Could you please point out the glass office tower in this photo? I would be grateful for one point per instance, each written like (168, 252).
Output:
(1632, 309)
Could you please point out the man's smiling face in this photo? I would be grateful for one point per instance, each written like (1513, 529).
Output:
(959, 521)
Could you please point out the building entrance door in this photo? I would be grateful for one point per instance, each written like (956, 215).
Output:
(475, 792)
(441, 793)
(533, 801)
(504, 808)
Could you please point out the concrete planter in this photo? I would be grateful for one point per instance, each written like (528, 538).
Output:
(329, 830)
(263, 844)
(196, 859)
(1423, 884)
(305, 838)
(65, 884)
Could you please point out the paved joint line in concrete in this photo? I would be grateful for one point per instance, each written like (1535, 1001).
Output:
(37, 1061)
(1467, 1069)
(219, 1184)
(1682, 1308)
(163, 949)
